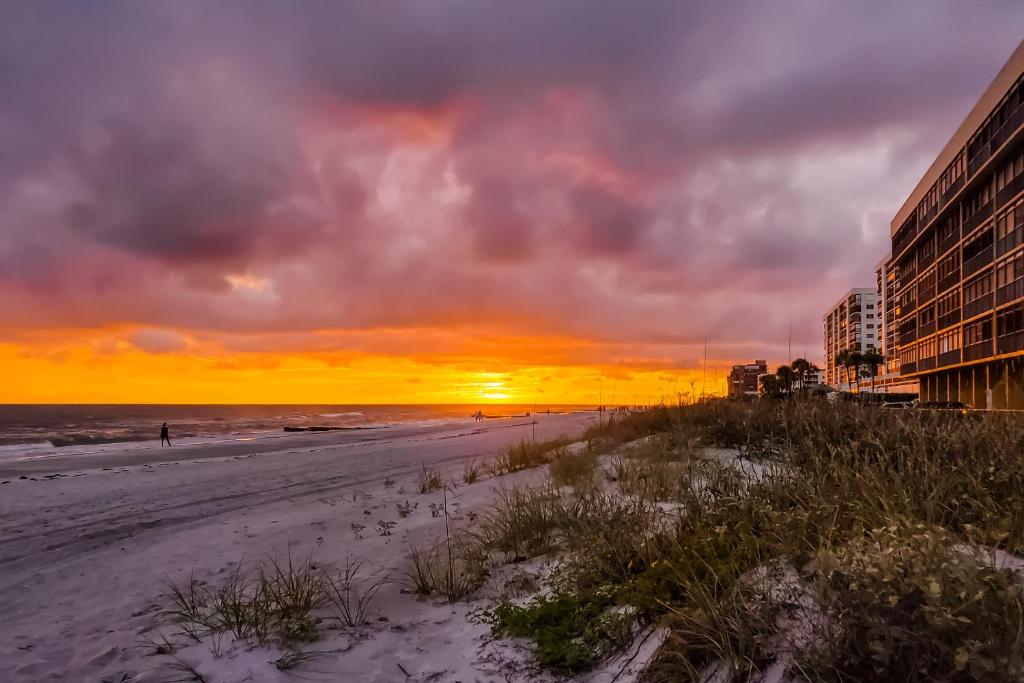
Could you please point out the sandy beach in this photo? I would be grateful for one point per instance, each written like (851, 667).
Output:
(88, 543)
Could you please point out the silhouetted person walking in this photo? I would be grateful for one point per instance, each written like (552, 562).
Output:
(164, 436)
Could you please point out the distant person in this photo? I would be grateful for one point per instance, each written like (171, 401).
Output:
(164, 436)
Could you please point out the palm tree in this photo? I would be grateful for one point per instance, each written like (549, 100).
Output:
(851, 360)
(802, 368)
(812, 371)
(873, 359)
(842, 358)
(771, 385)
(786, 376)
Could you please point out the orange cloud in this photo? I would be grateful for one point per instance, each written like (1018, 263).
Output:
(98, 366)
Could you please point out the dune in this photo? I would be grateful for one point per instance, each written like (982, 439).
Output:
(90, 543)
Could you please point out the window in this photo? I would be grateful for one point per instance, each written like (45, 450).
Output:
(978, 200)
(978, 332)
(947, 309)
(949, 229)
(870, 306)
(949, 341)
(978, 244)
(977, 288)
(949, 266)
(926, 349)
(1010, 322)
(1009, 270)
(1010, 170)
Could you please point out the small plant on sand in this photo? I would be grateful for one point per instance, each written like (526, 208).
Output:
(571, 633)
(430, 480)
(275, 602)
(357, 530)
(389, 482)
(405, 509)
(527, 454)
(297, 590)
(522, 522)
(351, 595)
(295, 658)
(436, 509)
(385, 526)
(471, 473)
(181, 671)
(190, 608)
(573, 469)
(452, 570)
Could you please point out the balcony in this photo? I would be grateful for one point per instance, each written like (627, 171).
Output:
(978, 261)
(951, 191)
(949, 280)
(947, 242)
(1010, 292)
(1007, 129)
(908, 368)
(926, 364)
(949, 319)
(1011, 190)
(925, 260)
(948, 358)
(1012, 239)
(978, 351)
(977, 218)
(903, 237)
(925, 294)
(979, 305)
(979, 159)
(1008, 343)
(924, 329)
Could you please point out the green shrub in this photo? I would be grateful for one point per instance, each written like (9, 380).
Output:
(906, 603)
(571, 633)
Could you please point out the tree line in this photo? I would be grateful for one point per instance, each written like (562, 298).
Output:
(798, 374)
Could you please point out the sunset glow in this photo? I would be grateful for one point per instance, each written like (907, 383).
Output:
(455, 202)
(187, 370)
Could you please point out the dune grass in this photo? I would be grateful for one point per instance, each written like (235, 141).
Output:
(746, 569)
(526, 454)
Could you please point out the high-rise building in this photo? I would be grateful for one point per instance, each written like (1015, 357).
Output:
(889, 378)
(958, 250)
(743, 379)
(853, 324)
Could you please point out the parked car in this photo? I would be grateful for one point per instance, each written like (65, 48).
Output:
(958, 406)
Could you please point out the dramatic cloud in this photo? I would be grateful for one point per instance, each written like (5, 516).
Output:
(620, 174)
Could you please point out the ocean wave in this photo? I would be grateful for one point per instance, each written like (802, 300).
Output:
(66, 440)
(351, 414)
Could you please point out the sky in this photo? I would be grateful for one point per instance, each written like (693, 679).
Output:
(454, 200)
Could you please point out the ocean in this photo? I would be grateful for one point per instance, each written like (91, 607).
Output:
(49, 427)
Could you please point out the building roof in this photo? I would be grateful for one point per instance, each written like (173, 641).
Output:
(975, 118)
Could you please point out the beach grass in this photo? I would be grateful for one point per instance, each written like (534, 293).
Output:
(853, 542)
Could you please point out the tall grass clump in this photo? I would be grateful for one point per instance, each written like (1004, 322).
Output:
(858, 549)
(430, 480)
(526, 454)
(275, 601)
(573, 469)
(351, 593)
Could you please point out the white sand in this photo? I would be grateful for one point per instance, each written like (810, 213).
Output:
(84, 557)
